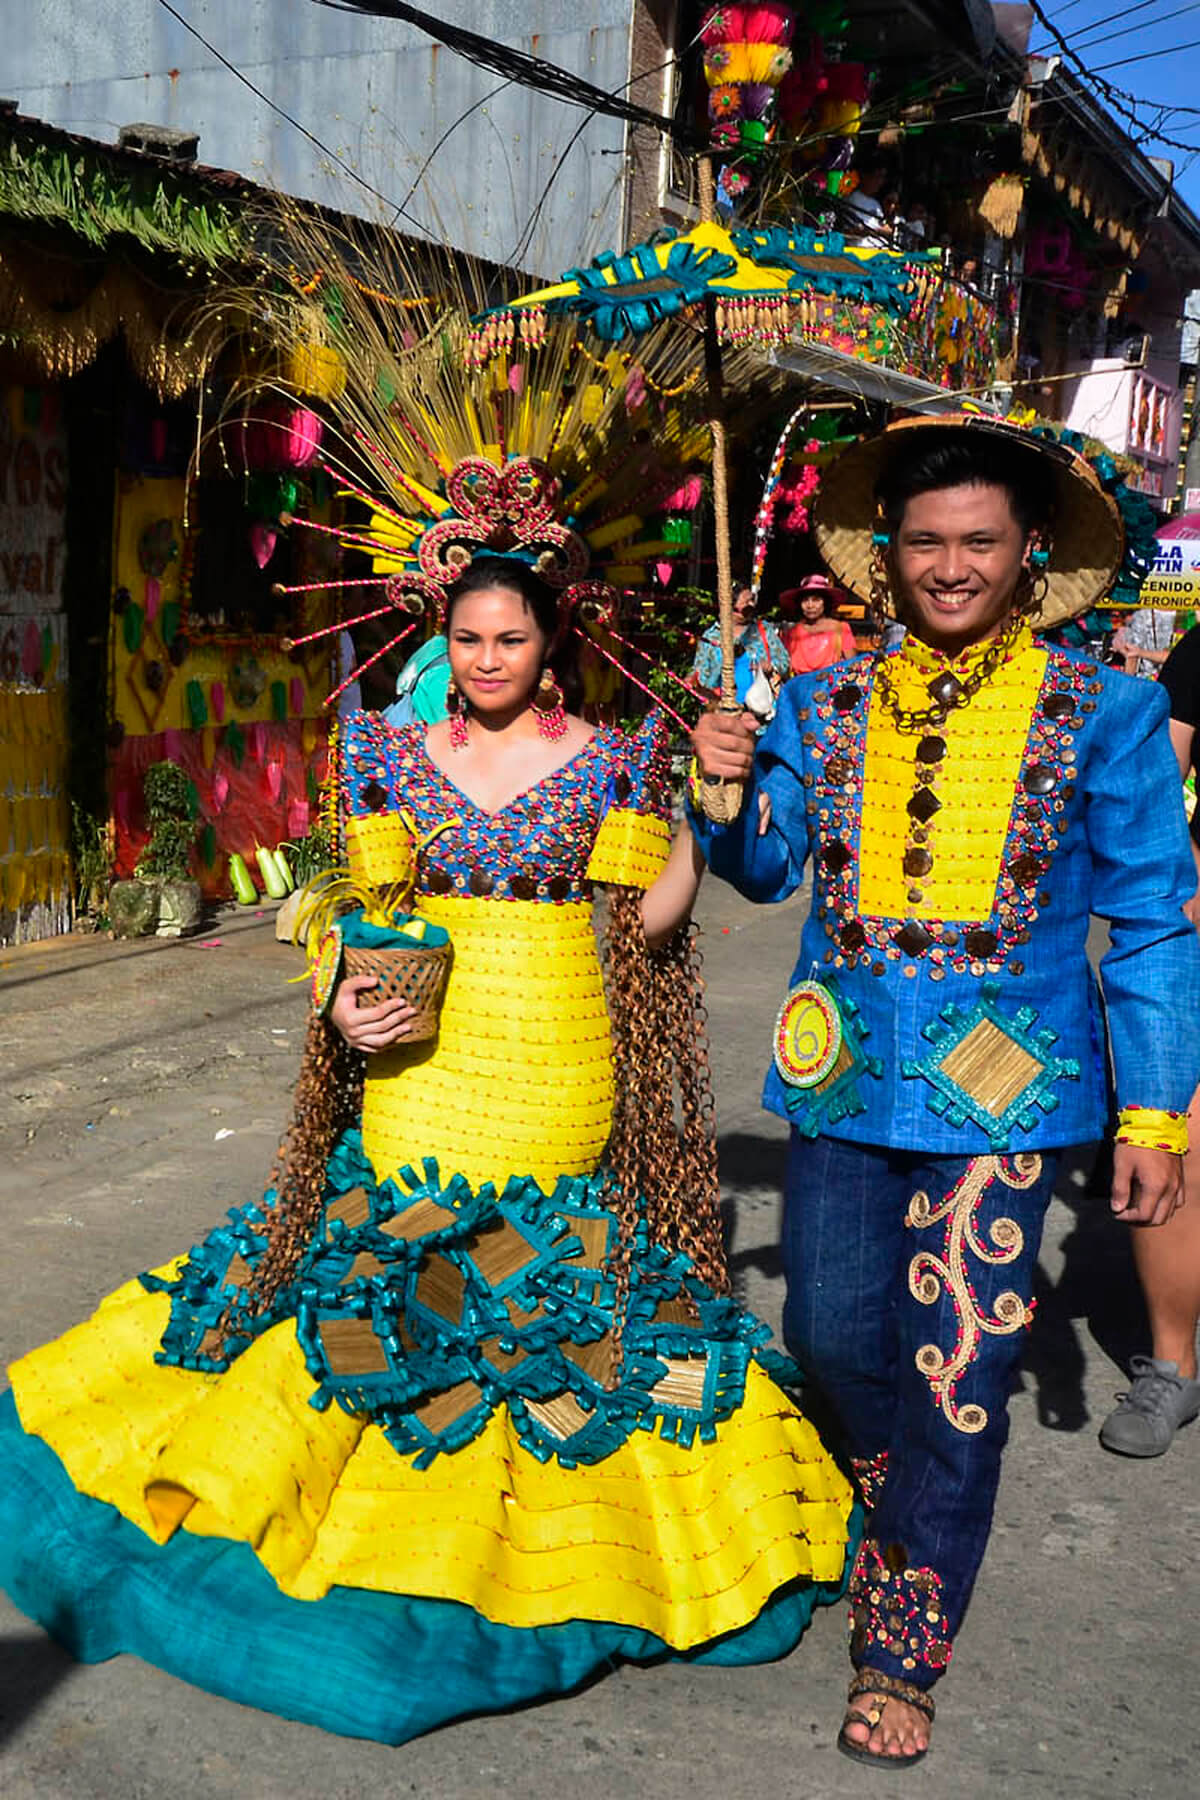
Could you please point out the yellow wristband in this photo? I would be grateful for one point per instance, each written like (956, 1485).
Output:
(1147, 1129)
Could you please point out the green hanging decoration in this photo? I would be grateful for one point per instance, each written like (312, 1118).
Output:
(208, 845)
(132, 621)
(278, 700)
(235, 743)
(287, 493)
(47, 648)
(197, 705)
(168, 622)
(310, 783)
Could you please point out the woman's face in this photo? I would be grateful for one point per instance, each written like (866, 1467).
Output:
(743, 605)
(497, 650)
(812, 608)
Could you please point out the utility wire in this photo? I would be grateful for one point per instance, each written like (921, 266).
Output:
(290, 119)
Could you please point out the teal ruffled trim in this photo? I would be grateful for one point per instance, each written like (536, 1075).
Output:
(420, 1290)
(885, 280)
(366, 1665)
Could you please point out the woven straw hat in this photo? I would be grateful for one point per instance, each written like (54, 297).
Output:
(1086, 537)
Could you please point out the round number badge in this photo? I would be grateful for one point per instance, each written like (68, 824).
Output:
(808, 1035)
(325, 968)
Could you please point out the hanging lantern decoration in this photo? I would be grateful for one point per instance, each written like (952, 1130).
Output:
(275, 434)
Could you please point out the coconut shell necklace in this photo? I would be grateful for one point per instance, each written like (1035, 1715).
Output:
(947, 692)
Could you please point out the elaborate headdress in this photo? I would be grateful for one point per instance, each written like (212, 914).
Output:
(1085, 536)
(456, 440)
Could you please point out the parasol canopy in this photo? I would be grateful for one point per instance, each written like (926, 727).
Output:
(769, 285)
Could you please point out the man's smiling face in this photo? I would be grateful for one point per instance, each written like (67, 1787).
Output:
(957, 555)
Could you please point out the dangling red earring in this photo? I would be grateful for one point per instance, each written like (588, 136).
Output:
(456, 714)
(547, 704)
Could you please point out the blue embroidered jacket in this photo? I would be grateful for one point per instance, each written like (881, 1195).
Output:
(988, 1033)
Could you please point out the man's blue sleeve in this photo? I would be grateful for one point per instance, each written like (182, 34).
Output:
(770, 867)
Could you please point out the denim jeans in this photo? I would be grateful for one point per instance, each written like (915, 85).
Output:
(908, 1283)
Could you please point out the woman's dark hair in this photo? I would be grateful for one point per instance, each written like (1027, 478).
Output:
(518, 578)
(540, 600)
(962, 458)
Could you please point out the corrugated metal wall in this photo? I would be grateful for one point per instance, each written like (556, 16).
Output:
(378, 93)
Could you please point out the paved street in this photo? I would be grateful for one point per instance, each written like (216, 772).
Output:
(141, 1094)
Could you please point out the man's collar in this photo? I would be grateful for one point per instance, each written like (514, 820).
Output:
(926, 660)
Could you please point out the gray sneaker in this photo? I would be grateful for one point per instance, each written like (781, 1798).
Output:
(1149, 1415)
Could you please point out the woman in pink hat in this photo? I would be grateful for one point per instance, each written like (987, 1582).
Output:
(817, 639)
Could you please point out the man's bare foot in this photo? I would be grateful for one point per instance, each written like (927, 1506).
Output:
(881, 1726)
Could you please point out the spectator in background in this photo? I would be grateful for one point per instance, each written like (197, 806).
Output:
(757, 645)
(1165, 1392)
(874, 180)
(818, 637)
(1144, 640)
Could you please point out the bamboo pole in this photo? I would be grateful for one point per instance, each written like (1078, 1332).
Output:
(721, 800)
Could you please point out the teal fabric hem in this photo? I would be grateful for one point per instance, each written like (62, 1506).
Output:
(381, 1666)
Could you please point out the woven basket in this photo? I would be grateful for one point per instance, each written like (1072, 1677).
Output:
(417, 975)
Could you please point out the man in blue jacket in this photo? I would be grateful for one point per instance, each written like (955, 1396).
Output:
(968, 799)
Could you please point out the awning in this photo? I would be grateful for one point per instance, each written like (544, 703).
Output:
(862, 380)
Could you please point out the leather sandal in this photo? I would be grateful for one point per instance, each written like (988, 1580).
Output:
(882, 1688)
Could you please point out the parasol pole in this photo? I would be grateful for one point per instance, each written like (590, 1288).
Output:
(721, 800)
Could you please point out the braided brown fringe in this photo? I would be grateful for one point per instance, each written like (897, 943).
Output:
(328, 1099)
(660, 1053)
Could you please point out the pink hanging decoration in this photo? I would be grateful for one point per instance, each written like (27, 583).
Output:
(263, 539)
(31, 651)
(516, 378)
(220, 790)
(297, 818)
(274, 779)
(256, 739)
(216, 694)
(296, 695)
(664, 571)
(153, 597)
(686, 497)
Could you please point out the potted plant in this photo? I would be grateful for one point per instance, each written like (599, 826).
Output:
(163, 897)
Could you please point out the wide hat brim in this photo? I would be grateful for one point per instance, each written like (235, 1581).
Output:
(1087, 540)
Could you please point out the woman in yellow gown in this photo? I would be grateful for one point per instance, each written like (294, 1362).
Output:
(464, 1409)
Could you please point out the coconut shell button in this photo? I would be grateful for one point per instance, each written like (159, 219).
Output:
(931, 749)
(913, 938)
(980, 944)
(917, 861)
(836, 856)
(1059, 706)
(838, 770)
(481, 881)
(847, 697)
(1039, 779)
(853, 936)
(923, 805)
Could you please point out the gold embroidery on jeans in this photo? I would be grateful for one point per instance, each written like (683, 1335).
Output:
(928, 1273)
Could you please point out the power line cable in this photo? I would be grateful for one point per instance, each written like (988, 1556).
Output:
(290, 119)
(1124, 12)
(1148, 56)
(1145, 25)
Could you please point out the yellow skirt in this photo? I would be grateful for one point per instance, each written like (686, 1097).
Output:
(686, 1543)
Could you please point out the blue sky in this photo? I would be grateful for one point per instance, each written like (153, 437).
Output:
(1133, 35)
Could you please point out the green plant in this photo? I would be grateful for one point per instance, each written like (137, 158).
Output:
(309, 856)
(91, 861)
(171, 808)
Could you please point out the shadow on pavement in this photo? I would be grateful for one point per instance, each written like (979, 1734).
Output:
(31, 1667)
(1098, 1286)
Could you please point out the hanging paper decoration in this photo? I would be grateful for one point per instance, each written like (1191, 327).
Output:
(277, 435)
(169, 626)
(197, 706)
(298, 817)
(274, 779)
(152, 594)
(132, 620)
(279, 708)
(220, 790)
(256, 739)
(216, 695)
(263, 539)
(297, 694)
(235, 743)
(208, 846)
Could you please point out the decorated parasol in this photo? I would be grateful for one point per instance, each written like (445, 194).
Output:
(733, 292)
